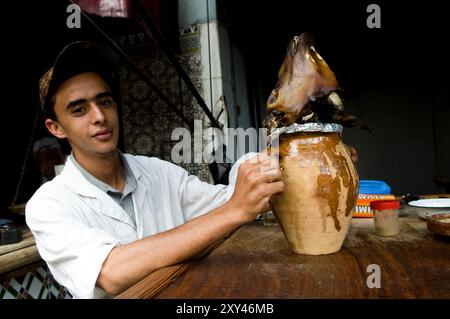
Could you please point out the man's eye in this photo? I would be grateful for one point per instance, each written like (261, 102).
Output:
(105, 102)
(79, 110)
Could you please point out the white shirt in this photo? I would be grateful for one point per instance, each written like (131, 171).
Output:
(76, 225)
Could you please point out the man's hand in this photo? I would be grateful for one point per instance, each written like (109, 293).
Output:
(257, 180)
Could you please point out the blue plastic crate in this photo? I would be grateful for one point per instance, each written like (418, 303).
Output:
(373, 187)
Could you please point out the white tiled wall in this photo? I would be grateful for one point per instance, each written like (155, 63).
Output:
(37, 284)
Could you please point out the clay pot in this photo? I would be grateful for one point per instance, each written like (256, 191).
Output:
(321, 185)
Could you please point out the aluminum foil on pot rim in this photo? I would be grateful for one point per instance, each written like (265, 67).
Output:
(309, 127)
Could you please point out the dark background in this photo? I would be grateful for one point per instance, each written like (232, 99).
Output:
(409, 53)
(395, 78)
(410, 46)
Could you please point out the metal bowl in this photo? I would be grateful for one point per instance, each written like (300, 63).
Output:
(439, 224)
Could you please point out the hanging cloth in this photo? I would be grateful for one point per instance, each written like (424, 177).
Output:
(106, 8)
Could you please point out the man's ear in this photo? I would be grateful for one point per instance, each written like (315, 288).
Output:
(55, 128)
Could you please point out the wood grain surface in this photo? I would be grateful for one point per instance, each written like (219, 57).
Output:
(160, 279)
(256, 263)
(14, 256)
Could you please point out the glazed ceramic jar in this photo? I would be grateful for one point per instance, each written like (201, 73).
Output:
(321, 185)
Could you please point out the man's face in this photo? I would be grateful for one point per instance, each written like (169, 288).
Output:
(86, 115)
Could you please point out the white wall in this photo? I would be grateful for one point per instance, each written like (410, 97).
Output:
(223, 66)
(195, 11)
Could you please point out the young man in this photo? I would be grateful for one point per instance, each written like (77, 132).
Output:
(110, 219)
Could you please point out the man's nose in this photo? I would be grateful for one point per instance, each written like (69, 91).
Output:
(97, 114)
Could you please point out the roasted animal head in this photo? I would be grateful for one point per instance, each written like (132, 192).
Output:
(306, 89)
(304, 76)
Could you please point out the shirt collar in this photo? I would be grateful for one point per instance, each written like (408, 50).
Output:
(130, 180)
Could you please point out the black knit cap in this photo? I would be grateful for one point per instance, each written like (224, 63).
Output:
(77, 57)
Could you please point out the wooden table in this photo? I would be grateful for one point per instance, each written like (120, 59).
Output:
(255, 262)
(17, 259)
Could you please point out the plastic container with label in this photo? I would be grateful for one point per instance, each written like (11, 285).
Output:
(385, 213)
(368, 191)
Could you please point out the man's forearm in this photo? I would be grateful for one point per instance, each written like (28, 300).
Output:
(128, 264)
(256, 182)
